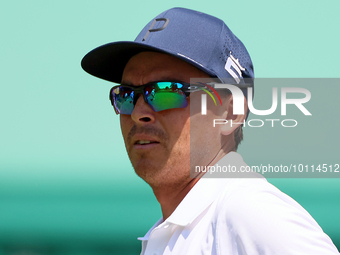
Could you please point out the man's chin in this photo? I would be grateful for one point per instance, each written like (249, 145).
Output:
(146, 169)
(154, 175)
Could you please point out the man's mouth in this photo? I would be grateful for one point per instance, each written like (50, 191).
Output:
(145, 144)
(142, 142)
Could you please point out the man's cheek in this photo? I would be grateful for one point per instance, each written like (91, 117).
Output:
(124, 126)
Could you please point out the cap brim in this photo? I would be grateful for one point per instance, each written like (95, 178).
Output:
(108, 61)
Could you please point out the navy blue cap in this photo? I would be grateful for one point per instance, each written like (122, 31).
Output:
(197, 38)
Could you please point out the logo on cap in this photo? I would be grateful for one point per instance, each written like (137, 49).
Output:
(233, 62)
(166, 22)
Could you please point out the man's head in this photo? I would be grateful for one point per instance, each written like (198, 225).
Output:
(177, 45)
(158, 143)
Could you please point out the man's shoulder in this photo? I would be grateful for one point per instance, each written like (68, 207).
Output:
(251, 192)
(255, 198)
(263, 220)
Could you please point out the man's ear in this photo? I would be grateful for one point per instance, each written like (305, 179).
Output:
(233, 121)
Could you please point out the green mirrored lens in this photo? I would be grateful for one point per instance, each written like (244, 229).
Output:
(165, 95)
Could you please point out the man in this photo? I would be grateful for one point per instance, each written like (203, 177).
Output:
(162, 126)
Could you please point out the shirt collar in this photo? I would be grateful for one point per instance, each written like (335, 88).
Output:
(146, 237)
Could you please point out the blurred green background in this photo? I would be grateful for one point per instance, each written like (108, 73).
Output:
(66, 184)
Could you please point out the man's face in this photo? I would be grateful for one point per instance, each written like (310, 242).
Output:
(166, 160)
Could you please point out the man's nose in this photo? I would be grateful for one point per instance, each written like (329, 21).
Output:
(142, 112)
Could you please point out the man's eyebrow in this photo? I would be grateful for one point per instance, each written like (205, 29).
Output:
(165, 78)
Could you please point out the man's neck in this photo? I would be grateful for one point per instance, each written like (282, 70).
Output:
(170, 196)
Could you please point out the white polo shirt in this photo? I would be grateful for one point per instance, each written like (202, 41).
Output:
(234, 216)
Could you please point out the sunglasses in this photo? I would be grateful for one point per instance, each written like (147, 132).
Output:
(159, 95)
